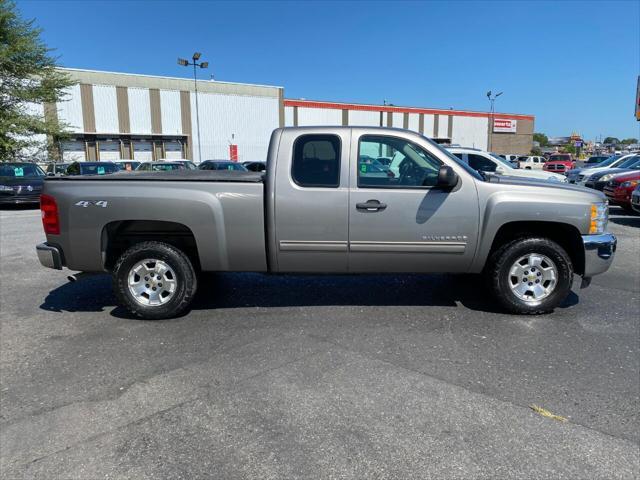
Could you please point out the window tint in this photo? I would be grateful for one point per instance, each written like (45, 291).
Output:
(316, 161)
(480, 163)
(459, 155)
(410, 165)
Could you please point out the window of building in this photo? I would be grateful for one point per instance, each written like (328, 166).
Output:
(409, 167)
(316, 161)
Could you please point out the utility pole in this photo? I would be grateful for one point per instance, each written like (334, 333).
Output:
(185, 63)
(492, 112)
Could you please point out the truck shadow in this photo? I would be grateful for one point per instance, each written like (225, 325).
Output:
(620, 216)
(246, 290)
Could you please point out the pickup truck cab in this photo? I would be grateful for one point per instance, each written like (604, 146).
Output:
(531, 162)
(321, 207)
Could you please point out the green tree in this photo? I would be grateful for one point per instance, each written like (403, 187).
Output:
(541, 138)
(28, 76)
(629, 141)
(611, 140)
(536, 151)
(568, 148)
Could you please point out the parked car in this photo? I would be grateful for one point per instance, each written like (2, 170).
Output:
(488, 163)
(91, 168)
(618, 190)
(159, 166)
(531, 162)
(317, 211)
(622, 161)
(54, 169)
(635, 199)
(512, 159)
(20, 182)
(599, 179)
(559, 163)
(222, 165)
(127, 165)
(255, 166)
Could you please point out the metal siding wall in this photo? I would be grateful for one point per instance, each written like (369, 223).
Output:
(428, 125)
(251, 119)
(139, 110)
(443, 126)
(319, 116)
(398, 120)
(470, 132)
(414, 122)
(170, 111)
(361, 118)
(288, 116)
(70, 110)
(105, 104)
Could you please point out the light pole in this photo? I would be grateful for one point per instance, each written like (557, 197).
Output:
(492, 112)
(186, 63)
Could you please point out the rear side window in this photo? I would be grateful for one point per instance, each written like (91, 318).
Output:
(316, 161)
(480, 163)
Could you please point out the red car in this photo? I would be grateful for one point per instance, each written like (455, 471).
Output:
(618, 190)
(559, 163)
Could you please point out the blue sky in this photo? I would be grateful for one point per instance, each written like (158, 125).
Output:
(573, 64)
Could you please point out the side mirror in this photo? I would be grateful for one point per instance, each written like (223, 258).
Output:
(447, 178)
(51, 174)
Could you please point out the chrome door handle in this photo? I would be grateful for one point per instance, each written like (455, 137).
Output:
(371, 206)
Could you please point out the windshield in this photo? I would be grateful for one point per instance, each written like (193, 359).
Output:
(609, 161)
(164, 167)
(230, 166)
(502, 161)
(628, 162)
(103, 169)
(19, 170)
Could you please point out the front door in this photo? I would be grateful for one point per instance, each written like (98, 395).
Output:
(311, 202)
(399, 220)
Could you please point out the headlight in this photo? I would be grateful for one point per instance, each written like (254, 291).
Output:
(599, 218)
(629, 183)
(6, 188)
(606, 177)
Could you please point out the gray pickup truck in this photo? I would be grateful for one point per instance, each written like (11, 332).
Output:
(333, 200)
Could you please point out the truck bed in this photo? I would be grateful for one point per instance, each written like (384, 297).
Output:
(232, 176)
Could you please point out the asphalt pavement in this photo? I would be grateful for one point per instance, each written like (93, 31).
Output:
(373, 376)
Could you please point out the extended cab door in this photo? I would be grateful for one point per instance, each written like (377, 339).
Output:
(399, 220)
(311, 194)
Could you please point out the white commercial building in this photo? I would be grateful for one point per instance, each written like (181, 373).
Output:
(124, 116)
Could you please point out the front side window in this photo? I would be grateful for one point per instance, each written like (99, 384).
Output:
(410, 165)
(316, 161)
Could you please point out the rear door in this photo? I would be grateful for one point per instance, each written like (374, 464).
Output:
(403, 222)
(311, 201)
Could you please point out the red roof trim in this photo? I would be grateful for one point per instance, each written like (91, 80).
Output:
(386, 108)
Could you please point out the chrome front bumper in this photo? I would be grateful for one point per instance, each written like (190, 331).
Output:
(599, 251)
(49, 256)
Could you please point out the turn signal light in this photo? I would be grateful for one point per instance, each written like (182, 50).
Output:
(50, 217)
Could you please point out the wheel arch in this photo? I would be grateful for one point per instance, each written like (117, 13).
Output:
(120, 235)
(566, 235)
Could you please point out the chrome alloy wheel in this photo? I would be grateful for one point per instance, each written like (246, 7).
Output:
(152, 282)
(533, 277)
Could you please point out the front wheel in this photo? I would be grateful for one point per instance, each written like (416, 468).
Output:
(154, 280)
(530, 275)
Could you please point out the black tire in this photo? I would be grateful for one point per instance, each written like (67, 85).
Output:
(501, 261)
(185, 278)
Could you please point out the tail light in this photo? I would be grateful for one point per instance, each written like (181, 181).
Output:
(50, 217)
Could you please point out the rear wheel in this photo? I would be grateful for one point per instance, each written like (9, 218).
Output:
(530, 275)
(154, 280)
